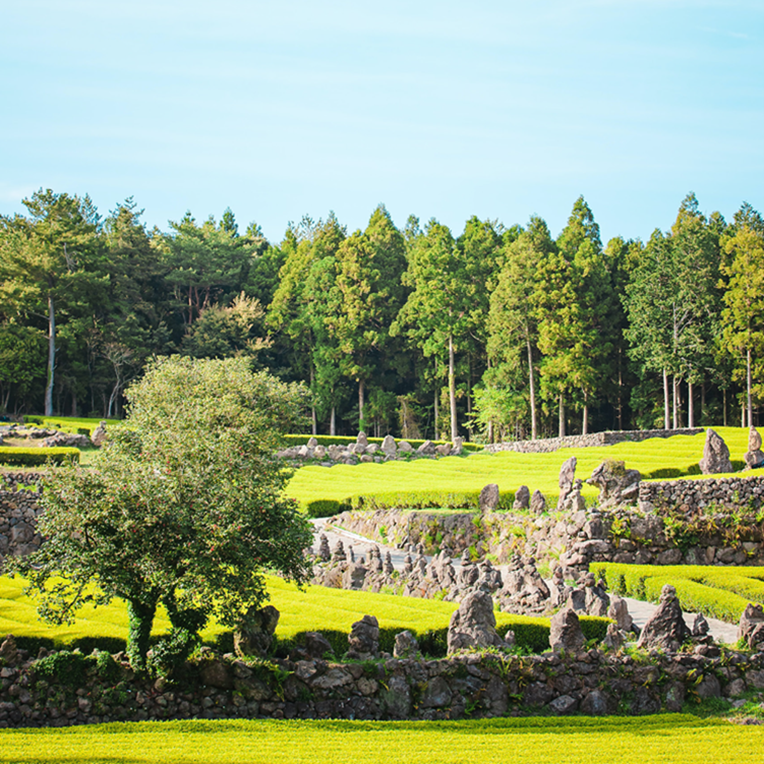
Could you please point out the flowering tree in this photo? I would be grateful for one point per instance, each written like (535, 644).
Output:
(184, 507)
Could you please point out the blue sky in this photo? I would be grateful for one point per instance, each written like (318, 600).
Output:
(440, 109)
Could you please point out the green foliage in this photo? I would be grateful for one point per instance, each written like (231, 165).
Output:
(721, 593)
(325, 507)
(34, 457)
(189, 514)
(63, 667)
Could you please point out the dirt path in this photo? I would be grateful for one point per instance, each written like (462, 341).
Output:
(640, 611)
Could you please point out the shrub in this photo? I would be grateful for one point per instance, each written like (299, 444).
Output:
(33, 457)
(64, 667)
(326, 507)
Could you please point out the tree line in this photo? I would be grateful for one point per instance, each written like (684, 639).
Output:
(495, 333)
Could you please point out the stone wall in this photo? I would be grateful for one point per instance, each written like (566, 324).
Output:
(692, 495)
(545, 445)
(18, 513)
(477, 686)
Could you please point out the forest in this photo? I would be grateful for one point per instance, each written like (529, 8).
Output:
(497, 333)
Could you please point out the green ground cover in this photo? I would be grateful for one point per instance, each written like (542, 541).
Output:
(316, 608)
(718, 592)
(68, 423)
(667, 739)
(458, 476)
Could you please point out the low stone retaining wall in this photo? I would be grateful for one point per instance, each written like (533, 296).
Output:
(476, 686)
(626, 535)
(693, 495)
(545, 445)
(18, 513)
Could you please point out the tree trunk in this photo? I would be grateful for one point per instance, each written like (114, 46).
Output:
(452, 388)
(333, 421)
(620, 393)
(141, 618)
(313, 420)
(360, 405)
(665, 400)
(532, 380)
(702, 403)
(585, 423)
(748, 386)
(724, 406)
(742, 413)
(675, 391)
(51, 357)
(435, 413)
(690, 405)
(561, 423)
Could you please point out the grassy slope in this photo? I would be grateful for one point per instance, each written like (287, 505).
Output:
(510, 470)
(646, 740)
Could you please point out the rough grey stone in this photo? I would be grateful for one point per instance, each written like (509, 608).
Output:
(489, 498)
(565, 632)
(254, 633)
(666, 628)
(716, 455)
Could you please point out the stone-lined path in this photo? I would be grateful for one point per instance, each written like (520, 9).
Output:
(640, 611)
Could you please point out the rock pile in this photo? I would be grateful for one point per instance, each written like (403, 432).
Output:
(617, 484)
(363, 451)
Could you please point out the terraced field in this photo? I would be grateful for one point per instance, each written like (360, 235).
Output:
(509, 470)
(668, 739)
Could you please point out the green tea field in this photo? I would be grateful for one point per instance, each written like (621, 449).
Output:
(668, 739)
(657, 457)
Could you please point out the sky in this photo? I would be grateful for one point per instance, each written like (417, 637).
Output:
(435, 108)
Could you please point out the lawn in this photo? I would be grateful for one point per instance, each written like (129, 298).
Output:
(460, 474)
(316, 608)
(667, 739)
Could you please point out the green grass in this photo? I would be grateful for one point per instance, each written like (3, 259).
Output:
(460, 475)
(717, 592)
(667, 739)
(316, 608)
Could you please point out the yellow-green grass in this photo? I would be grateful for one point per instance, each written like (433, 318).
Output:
(315, 608)
(508, 469)
(718, 592)
(667, 739)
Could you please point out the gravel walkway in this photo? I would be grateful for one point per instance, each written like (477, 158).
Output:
(640, 611)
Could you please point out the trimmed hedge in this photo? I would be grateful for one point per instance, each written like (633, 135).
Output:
(427, 500)
(326, 507)
(34, 457)
(716, 592)
(344, 440)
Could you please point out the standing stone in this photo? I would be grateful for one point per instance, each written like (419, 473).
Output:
(751, 627)
(567, 476)
(538, 502)
(614, 638)
(427, 448)
(522, 498)
(406, 645)
(388, 446)
(619, 612)
(473, 625)
(489, 498)
(457, 447)
(323, 548)
(666, 628)
(716, 455)
(253, 635)
(754, 456)
(617, 485)
(361, 440)
(363, 640)
(565, 632)
(98, 436)
(312, 442)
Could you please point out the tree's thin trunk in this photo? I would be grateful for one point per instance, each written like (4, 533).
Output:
(452, 388)
(360, 405)
(665, 400)
(490, 432)
(585, 424)
(313, 419)
(51, 357)
(702, 403)
(532, 381)
(675, 391)
(333, 421)
(749, 383)
(469, 398)
(724, 406)
(435, 413)
(74, 403)
(561, 428)
(742, 413)
(620, 393)
(690, 405)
